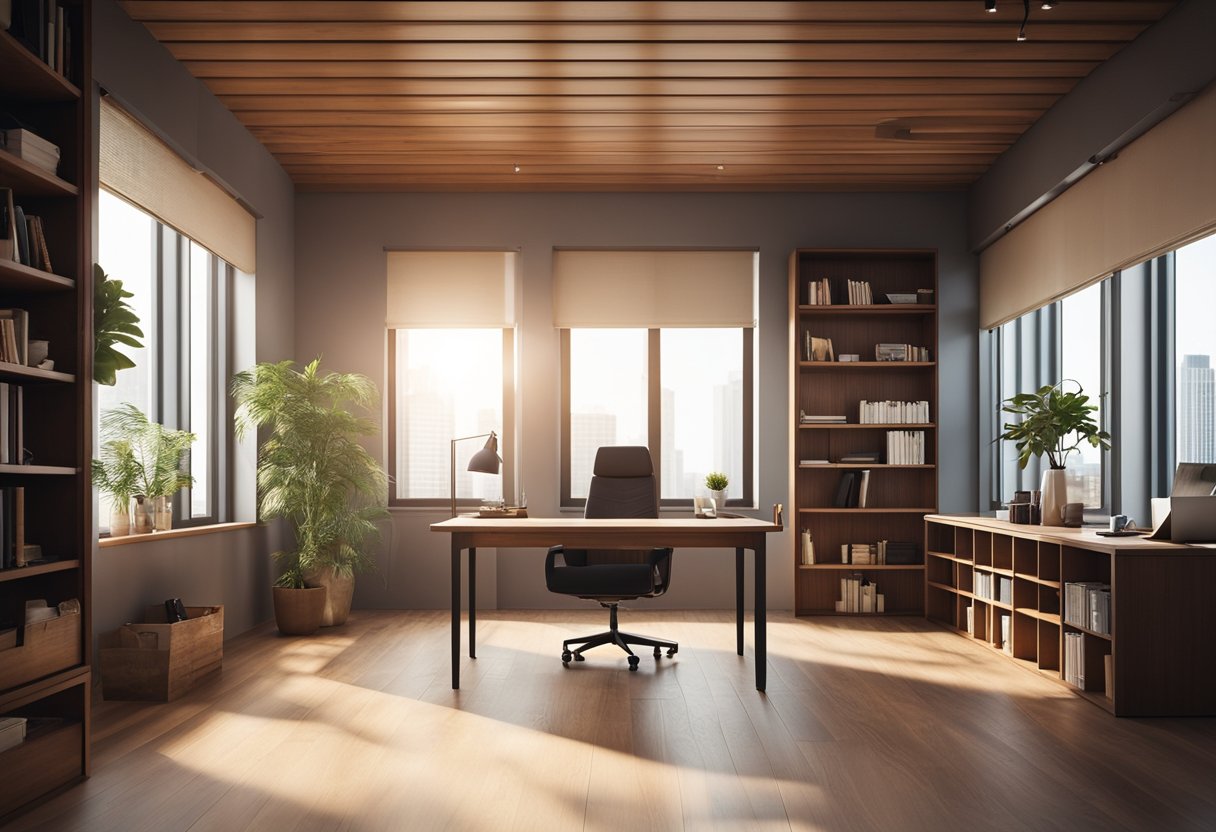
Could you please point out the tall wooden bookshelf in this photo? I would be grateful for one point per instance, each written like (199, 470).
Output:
(899, 495)
(46, 676)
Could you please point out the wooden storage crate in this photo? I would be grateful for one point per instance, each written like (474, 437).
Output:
(47, 647)
(158, 661)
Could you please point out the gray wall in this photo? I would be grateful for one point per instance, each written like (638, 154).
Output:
(340, 304)
(230, 568)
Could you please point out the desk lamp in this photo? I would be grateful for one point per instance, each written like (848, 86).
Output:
(485, 461)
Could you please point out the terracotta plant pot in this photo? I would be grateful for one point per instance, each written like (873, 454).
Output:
(340, 590)
(297, 612)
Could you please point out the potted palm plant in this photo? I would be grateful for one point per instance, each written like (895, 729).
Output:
(313, 471)
(1054, 423)
(116, 474)
(153, 456)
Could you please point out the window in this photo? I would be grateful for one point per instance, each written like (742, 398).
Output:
(1066, 340)
(445, 384)
(1195, 352)
(181, 294)
(451, 357)
(683, 392)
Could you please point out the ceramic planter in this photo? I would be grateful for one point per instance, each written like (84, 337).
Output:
(297, 612)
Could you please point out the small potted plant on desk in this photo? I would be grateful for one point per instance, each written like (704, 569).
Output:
(313, 471)
(1053, 423)
(717, 482)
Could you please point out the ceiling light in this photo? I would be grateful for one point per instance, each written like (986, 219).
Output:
(1048, 5)
(1025, 17)
(515, 168)
(990, 6)
(721, 167)
(1022, 36)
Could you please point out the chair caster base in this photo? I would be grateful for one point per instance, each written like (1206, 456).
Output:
(634, 661)
(566, 656)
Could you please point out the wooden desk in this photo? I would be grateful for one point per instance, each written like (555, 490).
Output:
(543, 532)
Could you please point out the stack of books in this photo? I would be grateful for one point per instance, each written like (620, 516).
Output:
(894, 413)
(900, 352)
(1007, 633)
(12, 731)
(857, 594)
(815, 419)
(862, 456)
(31, 147)
(905, 447)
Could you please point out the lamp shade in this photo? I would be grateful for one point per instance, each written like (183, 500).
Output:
(486, 460)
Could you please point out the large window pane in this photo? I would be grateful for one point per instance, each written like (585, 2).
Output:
(608, 399)
(701, 373)
(1195, 351)
(1081, 361)
(448, 385)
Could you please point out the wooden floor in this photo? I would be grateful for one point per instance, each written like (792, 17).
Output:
(887, 724)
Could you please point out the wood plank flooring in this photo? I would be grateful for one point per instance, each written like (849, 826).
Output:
(884, 724)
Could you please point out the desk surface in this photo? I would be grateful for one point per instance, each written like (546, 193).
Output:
(641, 532)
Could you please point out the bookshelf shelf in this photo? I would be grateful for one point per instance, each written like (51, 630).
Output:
(26, 78)
(18, 373)
(21, 278)
(32, 180)
(897, 495)
(38, 569)
(1159, 658)
(49, 506)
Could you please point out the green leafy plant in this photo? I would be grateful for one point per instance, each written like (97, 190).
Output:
(114, 322)
(142, 455)
(1054, 423)
(716, 481)
(117, 472)
(312, 470)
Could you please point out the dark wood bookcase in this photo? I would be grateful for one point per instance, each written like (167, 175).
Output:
(1153, 655)
(899, 495)
(46, 677)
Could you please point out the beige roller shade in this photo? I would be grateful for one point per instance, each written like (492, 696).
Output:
(669, 288)
(135, 164)
(451, 289)
(1159, 194)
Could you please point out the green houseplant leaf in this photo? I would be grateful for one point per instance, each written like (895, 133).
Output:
(114, 322)
(312, 469)
(1053, 423)
(140, 456)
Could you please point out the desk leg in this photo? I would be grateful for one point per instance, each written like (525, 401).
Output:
(761, 618)
(739, 579)
(455, 614)
(472, 602)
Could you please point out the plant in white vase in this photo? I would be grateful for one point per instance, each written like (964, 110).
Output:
(116, 474)
(1054, 423)
(717, 482)
(156, 455)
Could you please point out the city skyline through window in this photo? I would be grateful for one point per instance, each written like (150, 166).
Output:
(1195, 351)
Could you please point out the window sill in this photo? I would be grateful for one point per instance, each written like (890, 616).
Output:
(107, 542)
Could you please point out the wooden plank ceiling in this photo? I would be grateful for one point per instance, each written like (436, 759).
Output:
(817, 95)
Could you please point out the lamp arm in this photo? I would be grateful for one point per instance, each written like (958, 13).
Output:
(452, 473)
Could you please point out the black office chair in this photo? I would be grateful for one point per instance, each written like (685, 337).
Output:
(622, 485)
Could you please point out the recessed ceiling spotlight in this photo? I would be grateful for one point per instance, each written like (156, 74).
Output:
(1048, 5)
(990, 6)
(515, 168)
(721, 167)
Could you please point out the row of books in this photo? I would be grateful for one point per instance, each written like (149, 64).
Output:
(11, 396)
(46, 29)
(893, 413)
(14, 336)
(22, 236)
(992, 587)
(879, 553)
(1087, 605)
(905, 447)
(12, 528)
(12, 732)
(1005, 633)
(853, 489)
(900, 352)
(859, 594)
(818, 349)
(1074, 659)
(828, 291)
(860, 292)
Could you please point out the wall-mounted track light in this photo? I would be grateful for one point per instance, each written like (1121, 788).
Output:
(990, 7)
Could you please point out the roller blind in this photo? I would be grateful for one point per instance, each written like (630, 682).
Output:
(135, 164)
(668, 288)
(1158, 195)
(450, 289)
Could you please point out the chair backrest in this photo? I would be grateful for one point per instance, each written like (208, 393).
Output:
(622, 484)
